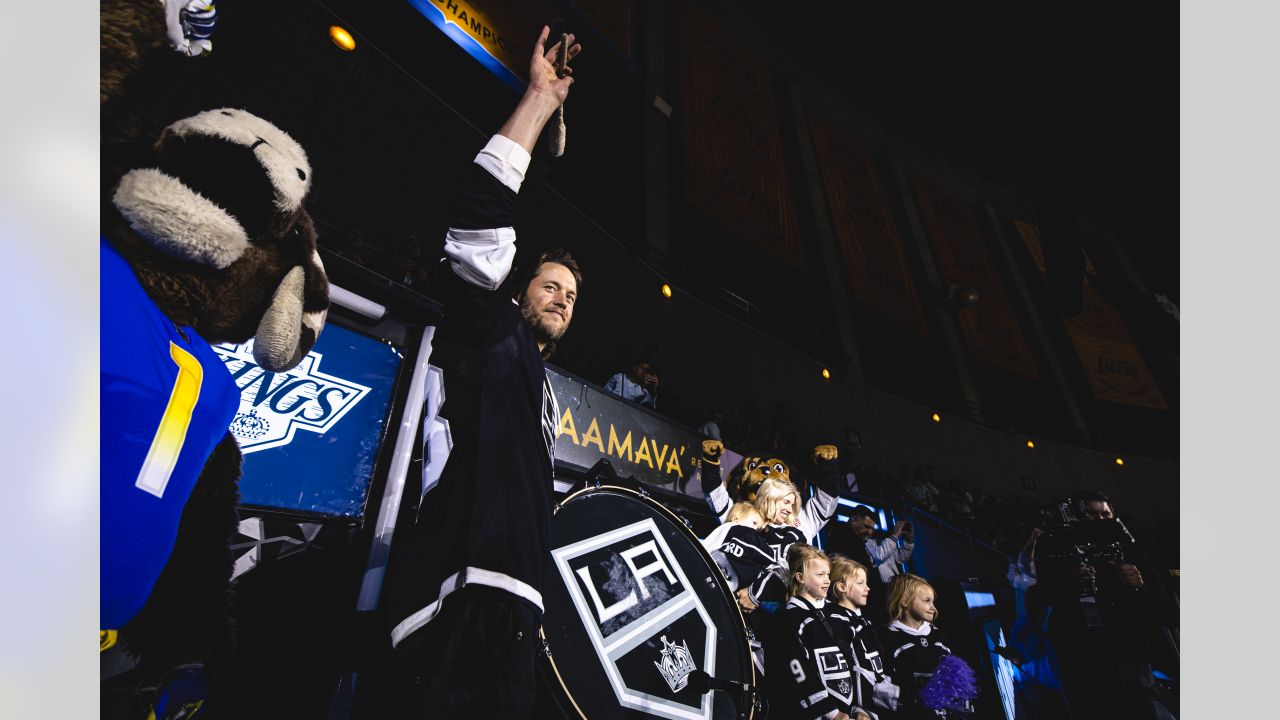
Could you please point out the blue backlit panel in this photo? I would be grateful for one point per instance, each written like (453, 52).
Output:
(883, 517)
(1004, 669)
(311, 436)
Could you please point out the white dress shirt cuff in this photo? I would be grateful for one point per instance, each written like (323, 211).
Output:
(505, 160)
(481, 257)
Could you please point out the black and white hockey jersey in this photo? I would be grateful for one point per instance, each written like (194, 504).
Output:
(741, 551)
(874, 690)
(913, 655)
(486, 521)
(806, 673)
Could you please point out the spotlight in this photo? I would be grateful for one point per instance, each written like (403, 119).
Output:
(1120, 461)
(342, 38)
(826, 374)
(937, 417)
(1031, 445)
(962, 296)
(666, 290)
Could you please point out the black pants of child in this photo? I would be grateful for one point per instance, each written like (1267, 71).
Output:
(473, 660)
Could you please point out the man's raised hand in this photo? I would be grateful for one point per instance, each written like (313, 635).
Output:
(546, 92)
(543, 77)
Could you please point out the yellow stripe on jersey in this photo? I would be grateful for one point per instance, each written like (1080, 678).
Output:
(166, 446)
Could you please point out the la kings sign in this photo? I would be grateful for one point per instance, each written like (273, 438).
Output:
(275, 406)
(633, 607)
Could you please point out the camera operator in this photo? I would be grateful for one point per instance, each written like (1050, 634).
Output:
(1107, 609)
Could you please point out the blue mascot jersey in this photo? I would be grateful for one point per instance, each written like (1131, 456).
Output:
(167, 400)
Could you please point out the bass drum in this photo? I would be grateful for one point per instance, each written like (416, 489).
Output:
(633, 606)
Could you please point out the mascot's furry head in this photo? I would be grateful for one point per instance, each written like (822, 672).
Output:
(218, 235)
(755, 469)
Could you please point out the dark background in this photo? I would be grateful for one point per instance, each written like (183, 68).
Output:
(1064, 114)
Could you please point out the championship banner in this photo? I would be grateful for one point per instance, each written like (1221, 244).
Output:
(1101, 338)
(311, 436)
(499, 34)
(1116, 371)
(734, 168)
(871, 246)
(990, 328)
(595, 425)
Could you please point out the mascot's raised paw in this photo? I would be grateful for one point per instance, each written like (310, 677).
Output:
(825, 452)
(712, 450)
(189, 25)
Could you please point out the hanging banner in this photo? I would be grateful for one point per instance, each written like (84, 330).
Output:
(870, 245)
(498, 34)
(1116, 371)
(990, 328)
(734, 169)
(1101, 338)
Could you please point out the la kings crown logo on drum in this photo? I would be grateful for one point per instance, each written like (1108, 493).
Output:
(676, 664)
(274, 406)
(632, 596)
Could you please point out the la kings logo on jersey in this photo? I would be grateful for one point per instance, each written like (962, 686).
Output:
(632, 596)
(274, 406)
(835, 673)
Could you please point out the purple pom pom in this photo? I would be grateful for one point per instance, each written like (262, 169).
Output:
(952, 686)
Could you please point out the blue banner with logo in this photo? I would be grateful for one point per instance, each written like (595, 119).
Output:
(311, 436)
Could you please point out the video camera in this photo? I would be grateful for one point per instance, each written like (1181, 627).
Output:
(1071, 539)
(1068, 532)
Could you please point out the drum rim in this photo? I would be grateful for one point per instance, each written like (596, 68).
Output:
(679, 523)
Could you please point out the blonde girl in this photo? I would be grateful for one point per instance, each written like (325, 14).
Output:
(915, 645)
(874, 690)
(808, 676)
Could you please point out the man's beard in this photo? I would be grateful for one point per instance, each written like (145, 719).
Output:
(542, 332)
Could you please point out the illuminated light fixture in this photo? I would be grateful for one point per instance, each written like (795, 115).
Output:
(979, 599)
(666, 290)
(1120, 461)
(826, 374)
(1031, 444)
(937, 417)
(342, 38)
